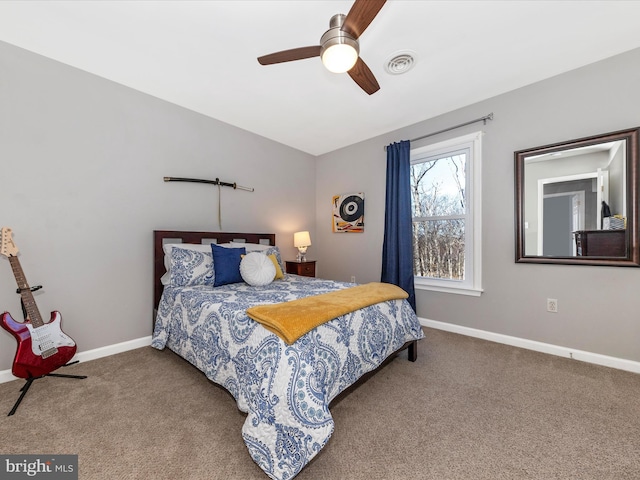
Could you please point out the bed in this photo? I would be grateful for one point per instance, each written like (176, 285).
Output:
(285, 387)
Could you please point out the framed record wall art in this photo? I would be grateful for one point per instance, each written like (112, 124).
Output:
(348, 213)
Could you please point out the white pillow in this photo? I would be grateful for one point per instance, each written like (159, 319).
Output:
(258, 247)
(257, 269)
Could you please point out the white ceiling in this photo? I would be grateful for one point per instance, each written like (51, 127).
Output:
(202, 55)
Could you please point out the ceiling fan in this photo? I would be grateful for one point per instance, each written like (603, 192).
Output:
(339, 48)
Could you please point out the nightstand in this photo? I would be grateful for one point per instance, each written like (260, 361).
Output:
(306, 269)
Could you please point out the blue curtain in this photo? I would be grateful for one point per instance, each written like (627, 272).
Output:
(397, 249)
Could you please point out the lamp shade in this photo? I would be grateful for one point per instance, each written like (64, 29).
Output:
(301, 239)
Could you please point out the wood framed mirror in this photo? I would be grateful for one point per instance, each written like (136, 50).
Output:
(577, 201)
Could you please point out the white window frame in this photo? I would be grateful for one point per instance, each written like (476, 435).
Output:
(472, 284)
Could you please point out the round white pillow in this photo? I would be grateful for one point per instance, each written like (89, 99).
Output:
(257, 269)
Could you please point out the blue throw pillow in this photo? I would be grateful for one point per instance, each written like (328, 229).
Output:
(226, 264)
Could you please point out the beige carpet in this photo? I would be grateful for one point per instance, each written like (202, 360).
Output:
(467, 409)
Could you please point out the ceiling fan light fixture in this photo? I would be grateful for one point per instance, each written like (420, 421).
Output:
(339, 51)
(339, 57)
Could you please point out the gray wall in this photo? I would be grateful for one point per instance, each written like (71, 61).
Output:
(598, 306)
(81, 185)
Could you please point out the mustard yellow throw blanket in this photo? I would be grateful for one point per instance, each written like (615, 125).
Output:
(291, 320)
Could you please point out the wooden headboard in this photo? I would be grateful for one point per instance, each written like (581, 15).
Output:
(160, 237)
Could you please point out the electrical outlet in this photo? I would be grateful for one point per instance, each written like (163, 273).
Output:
(552, 305)
(353, 279)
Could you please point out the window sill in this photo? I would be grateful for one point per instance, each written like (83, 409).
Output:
(473, 292)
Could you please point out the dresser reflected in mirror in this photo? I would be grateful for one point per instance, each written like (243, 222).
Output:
(577, 201)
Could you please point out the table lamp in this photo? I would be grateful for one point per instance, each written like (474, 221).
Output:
(301, 240)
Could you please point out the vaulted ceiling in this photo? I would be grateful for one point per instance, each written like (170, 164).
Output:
(202, 55)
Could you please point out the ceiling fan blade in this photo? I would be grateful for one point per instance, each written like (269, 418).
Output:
(290, 55)
(362, 75)
(360, 16)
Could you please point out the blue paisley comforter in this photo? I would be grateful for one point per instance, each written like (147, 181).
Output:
(285, 390)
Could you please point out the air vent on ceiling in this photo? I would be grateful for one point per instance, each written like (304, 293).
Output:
(400, 62)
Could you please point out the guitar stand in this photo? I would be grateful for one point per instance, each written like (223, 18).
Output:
(25, 387)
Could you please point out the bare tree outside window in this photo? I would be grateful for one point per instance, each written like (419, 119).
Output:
(439, 208)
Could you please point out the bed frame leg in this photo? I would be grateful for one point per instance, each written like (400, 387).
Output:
(413, 351)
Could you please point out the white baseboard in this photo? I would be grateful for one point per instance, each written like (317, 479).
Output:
(6, 375)
(589, 357)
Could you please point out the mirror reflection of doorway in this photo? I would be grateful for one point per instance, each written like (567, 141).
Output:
(564, 213)
(569, 204)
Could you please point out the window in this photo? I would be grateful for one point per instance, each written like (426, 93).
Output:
(446, 206)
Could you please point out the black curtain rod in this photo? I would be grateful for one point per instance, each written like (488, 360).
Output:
(482, 119)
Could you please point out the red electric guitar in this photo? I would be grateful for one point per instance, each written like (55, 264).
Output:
(42, 347)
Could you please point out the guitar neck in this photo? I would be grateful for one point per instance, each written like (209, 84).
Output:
(25, 293)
